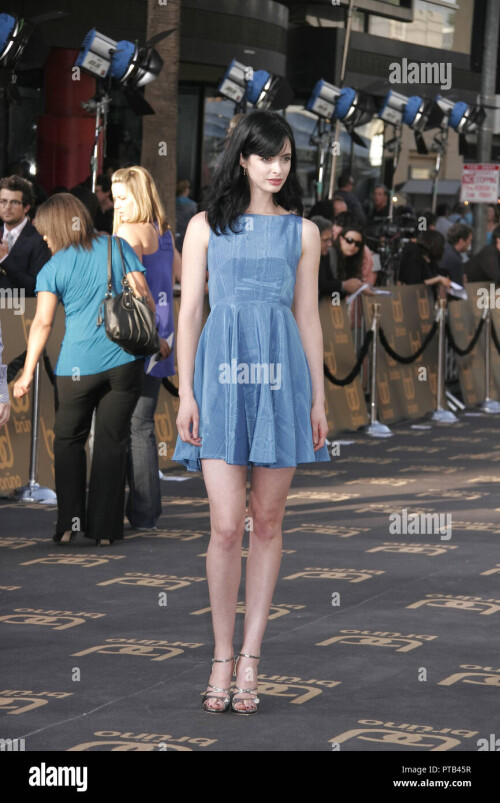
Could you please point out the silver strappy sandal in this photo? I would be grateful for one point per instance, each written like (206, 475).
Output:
(239, 691)
(225, 700)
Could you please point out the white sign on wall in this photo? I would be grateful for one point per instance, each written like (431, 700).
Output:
(480, 183)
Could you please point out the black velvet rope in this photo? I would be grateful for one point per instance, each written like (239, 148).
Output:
(453, 343)
(494, 336)
(407, 360)
(15, 365)
(357, 368)
(48, 367)
(167, 384)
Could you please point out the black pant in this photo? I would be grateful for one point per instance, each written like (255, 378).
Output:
(113, 394)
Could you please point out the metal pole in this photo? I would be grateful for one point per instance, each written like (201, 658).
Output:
(33, 492)
(437, 171)
(488, 88)
(398, 131)
(489, 405)
(341, 84)
(375, 428)
(441, 415)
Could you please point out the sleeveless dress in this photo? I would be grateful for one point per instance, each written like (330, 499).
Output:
(251, 379)
(158, 268)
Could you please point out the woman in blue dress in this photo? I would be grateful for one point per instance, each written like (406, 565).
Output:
(251, 387)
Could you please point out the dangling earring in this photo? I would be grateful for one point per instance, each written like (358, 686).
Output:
(244, 172)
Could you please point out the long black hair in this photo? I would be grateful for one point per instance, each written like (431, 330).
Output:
(262, 133)
(350, 267)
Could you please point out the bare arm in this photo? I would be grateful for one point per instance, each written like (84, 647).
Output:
(194, 258)
(305, 308)
(177, 264)
(130, 232)
(41, 328)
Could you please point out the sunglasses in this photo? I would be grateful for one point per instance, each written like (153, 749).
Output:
(351, 241)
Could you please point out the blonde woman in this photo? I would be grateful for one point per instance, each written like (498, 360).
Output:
(140, 219)
(92, 372)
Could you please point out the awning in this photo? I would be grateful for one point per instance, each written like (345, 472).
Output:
(419, 186)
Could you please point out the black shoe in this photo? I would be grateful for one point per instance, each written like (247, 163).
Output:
(65, 538)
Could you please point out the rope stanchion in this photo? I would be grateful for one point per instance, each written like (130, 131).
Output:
(489, 405)
(441, 414)
(494, 336)
(357, 368)
(33, 492)
(375, 428)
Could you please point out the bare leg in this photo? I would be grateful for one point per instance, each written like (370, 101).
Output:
(268, 494)
(226, 490)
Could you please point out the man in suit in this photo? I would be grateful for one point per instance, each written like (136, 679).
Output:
(23, 252)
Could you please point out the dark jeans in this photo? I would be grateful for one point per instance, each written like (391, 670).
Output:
(113, 394)
(144, 499)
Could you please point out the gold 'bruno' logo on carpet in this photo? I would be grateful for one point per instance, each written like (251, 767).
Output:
(167, 582)
(378, 638)
(351, 575)
(297, 690)
(413, 549)
(147, 648)
(276, 610)
(114, 741)
(57, 620)
(420, 737)
(15, 701)
(85, 561)
(477, 675)
(485, 607)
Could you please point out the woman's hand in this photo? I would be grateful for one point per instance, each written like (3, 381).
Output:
(165, 349)
(22, 385)
(188, 414)
(319, 425)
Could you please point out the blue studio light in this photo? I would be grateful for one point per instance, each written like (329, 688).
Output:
(259, 87)
(7, 26)
(463, 118)
(14, 36)
(323, 99)
(123, 61)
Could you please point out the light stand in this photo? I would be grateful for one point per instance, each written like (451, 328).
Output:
(101, 105)
(441, 144)
(324, 141)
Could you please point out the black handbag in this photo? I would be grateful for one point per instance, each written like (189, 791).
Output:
(128, 320)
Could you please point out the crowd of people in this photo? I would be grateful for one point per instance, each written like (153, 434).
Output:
(434, 249)
(127, 204)
(43, 253)
(94, 378)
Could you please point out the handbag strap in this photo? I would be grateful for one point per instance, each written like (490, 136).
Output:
(124, 278)
(110, 283)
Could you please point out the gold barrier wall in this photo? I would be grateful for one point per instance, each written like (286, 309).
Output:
(464, 317)
(406, 319)
(405, 391)
(345, 406)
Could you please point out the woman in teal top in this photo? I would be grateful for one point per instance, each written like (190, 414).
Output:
(92, 372)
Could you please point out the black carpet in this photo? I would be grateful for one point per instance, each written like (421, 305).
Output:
(377, 640)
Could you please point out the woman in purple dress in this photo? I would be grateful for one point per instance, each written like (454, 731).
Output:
(140, 220)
